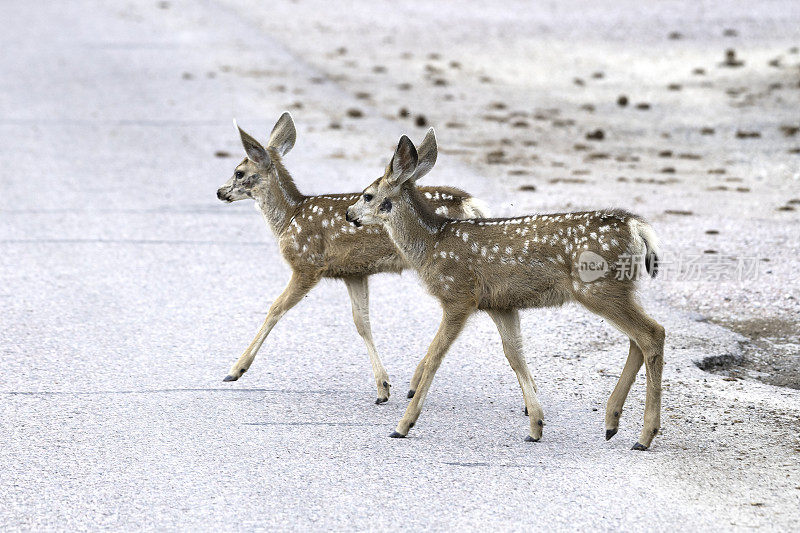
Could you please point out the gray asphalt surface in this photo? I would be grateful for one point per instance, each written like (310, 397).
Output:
(128, 290)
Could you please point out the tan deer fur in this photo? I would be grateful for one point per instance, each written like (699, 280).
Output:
(317, 242)
(502, 265)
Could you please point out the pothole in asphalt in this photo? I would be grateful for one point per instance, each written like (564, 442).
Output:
(771, 353)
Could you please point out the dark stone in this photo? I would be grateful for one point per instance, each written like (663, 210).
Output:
(596, 135)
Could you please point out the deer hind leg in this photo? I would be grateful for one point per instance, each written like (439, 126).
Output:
(508, 325)
(617, 399)
(416, 378)
(648, 335)
(298, 287)
(453, 321)
(358, 289)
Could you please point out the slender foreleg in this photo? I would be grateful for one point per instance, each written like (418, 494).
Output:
(453, 321)
(358, 289)
(298, 287)
(508, 325)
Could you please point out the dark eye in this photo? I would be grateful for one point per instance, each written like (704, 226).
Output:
(239, 174)
(367, 197)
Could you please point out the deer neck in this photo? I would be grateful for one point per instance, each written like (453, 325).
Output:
(414, 226)
(278, 199)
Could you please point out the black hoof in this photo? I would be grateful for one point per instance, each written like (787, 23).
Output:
(639, 447)
(381, 400)
(410, 394)
(531, 439)
(610, 433)
(525, 410)
(396, 435)
(230, 378)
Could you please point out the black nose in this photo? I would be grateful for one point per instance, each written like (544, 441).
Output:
(348, 218)
(220, 194)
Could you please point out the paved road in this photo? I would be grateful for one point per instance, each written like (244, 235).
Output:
(128, 290)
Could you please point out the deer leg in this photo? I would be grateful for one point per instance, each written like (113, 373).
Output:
(507, 323)
(415, 378)
(358, 289)
(453, 321)
(617, 398)
(291, 295)
(651, 341)
(648, 335)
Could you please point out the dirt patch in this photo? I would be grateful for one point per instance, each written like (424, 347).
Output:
(771, 353)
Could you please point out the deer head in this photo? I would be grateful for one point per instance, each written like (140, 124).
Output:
(251, 173)
(406, 166)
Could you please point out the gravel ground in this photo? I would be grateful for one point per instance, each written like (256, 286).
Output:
(128, 289)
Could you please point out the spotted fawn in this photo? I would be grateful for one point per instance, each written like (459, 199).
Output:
(501, 265)
(317, 242)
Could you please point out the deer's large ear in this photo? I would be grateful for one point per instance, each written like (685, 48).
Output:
(255, 152)
(283, 135)
(427, 153)
(404, 161)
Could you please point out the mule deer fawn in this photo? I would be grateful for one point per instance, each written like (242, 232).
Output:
(502, 265)
(315, 239)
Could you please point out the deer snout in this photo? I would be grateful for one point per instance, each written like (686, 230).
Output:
(349, 218)
(222, 194)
